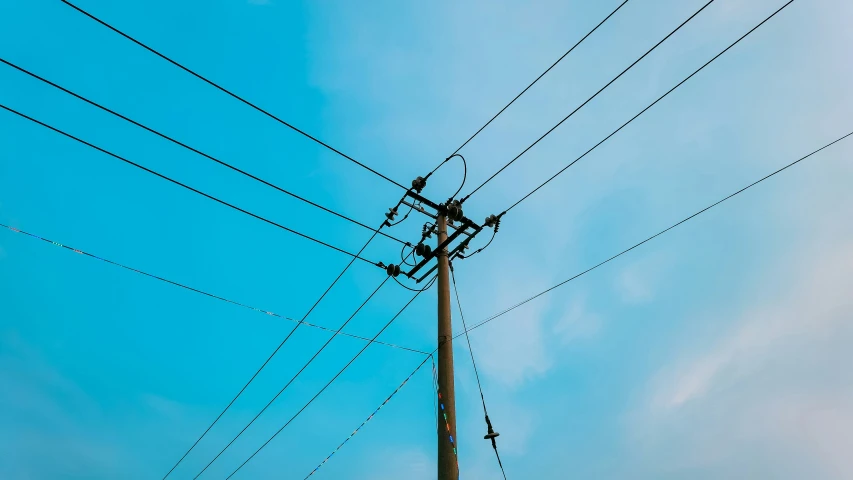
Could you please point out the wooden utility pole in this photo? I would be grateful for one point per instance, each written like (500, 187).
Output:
(447, 463)
(446, 215)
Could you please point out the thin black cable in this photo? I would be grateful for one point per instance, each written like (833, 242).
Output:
(202, 292)
(192, 149)
(404, 259)
(464, 172)
(429, 284)
(493, 317)
(232, 94)
(470, 349)
(541, 75)
(273, 354)
(494, 232)
(474, 362)
(651, 105)
(412, 206)
(590, 98)
(325, 386)
(169, 179)
(289, 382)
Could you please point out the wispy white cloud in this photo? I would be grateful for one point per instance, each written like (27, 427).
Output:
(46, 418)
(577, 323)
(776, 380)
(638, 281)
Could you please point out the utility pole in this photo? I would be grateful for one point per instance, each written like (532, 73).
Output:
(446, 215)
(447, 464)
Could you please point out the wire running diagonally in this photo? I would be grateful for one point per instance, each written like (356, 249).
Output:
(301, 321)
(183, 185)
(623, 252)
(617, 77)
(370, 417)
(474, 363)
(293, 378)
(415, 296)
(648, 107)
(570, 50)
(192, 149)
(234, 95)
(202, 292)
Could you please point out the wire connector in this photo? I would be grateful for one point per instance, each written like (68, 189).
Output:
(492, 434)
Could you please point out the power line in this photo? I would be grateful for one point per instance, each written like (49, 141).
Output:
(263, 365)
(192, 149)
(540, 76)
(324, 387)
(650, 106)
(169, 179)
(504, 312)
(202, 292)
(476, 372)
(370, 417)
(289, 382)
(589, 99)
(232, 94)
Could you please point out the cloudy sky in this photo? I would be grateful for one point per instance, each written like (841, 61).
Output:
(718, 350)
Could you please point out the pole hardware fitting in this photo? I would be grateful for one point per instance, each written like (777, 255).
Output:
(491, 434)
(393, 270)
(418, 184)
(423, 250)
(453, 209)
(494, 221)
(389, 215)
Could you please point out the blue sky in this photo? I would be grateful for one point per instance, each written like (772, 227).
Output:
(715, 351)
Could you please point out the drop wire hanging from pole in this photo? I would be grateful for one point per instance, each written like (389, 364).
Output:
(491, 434)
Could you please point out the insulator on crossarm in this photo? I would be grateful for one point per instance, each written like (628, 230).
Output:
(422, 250)
(392, 212)
(453, 210)
(393, 270)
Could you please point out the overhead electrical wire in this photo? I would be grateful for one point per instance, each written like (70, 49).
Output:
(540, 77)
(324, 387)
(456, 152)
(202, 292)
(293, 378)
(370, 417)
(194, 190)
(192, 149)
(233, 95)
(623, 252)
(274, 352)
(589, 99)
(650, 106)
(476, 372)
